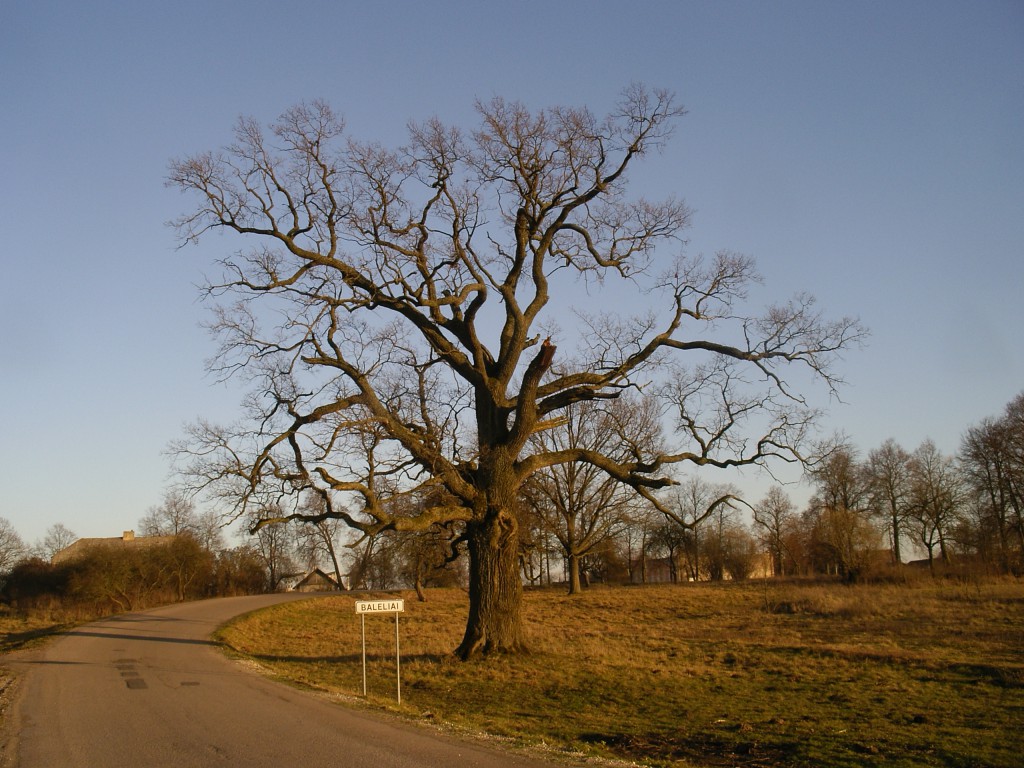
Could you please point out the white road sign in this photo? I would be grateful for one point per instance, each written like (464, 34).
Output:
(380, 606)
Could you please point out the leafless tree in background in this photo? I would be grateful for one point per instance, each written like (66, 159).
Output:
(936, 498)
(636, 540)
(274, 544)
(175, 515)
(56, 538)
(12, 548)
(776, 517)
(888, 476)
(208, 530)
(992, 457)
(688, 507)
(839, 520)
(317, 538)
(577, 502)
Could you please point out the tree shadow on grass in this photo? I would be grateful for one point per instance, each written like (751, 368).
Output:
(342, 659)
(145, 638)
(14, 641)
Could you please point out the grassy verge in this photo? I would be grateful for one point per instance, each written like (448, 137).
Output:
(18, 632)
(696, 675)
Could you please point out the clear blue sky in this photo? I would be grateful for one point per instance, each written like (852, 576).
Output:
(871, 153)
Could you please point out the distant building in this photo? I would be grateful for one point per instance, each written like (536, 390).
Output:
(315, 581)
(127, 540)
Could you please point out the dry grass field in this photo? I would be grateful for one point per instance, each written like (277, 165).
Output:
(18, 631)
(755, 674)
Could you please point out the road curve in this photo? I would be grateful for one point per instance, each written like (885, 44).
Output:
(150, 689)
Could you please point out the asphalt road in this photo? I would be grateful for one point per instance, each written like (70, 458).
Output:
(149, 690)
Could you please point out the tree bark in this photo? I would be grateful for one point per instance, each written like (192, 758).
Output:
(335, 563)
(574, 575)
(495, 591)
(896, 553)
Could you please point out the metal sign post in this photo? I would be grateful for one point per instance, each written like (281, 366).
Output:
(396, 607)
(362, 619)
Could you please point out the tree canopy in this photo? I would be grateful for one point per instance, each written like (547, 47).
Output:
(389, 305)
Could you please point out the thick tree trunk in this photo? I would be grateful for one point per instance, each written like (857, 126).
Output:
(334, 562)
(574, 575)
(896, 553)
(1015, 502)
(495, 591)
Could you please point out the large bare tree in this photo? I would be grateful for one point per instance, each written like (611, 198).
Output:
(389, 307)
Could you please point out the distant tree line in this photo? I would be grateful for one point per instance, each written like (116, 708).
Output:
(962, 512)
(185, 558)
(185, 561)
(107, 580)
(866, 515)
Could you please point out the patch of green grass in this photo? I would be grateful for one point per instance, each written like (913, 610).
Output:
(695, 675)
